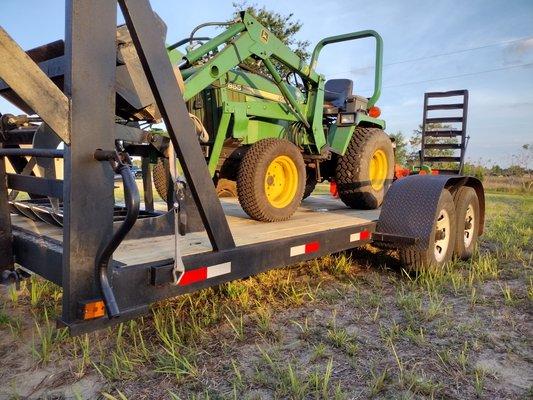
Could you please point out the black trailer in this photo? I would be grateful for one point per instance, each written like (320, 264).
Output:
(114, 258)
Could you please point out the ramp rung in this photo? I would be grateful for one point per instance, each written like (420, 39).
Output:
(443, 133)
(455, 106)
(447, 94)
(439, 120)
(443, 146)
(442, 159)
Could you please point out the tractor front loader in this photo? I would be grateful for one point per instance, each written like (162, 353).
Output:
(278, 131)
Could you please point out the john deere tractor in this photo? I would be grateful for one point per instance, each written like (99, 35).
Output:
(272, 126)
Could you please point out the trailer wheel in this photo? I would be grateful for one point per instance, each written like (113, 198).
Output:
(365, 172)
(441, 242)
(271, 180)
(467, 217)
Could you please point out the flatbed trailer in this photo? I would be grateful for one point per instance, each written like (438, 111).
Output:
(322, 225)
(114, 260)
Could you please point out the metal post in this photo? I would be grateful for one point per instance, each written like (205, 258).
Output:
(147, 184)
(151, 49)
(6, 238)
(90, 54)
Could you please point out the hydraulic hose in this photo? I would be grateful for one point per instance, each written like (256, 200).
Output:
(132, 201)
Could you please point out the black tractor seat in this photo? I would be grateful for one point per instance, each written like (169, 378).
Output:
(337, 92)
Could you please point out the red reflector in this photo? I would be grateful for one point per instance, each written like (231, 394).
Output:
(333, 189)
(193, 276)
(312, 247)
(365, 235)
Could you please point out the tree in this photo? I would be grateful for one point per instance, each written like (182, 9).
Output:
(283, 26)
(496, 170)
(415, 142)
(401, 147)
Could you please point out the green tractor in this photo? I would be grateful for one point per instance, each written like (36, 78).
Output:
(271, 127)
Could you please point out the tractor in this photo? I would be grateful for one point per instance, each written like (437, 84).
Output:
(271, 127)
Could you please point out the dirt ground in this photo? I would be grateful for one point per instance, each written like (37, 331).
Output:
(347, 326)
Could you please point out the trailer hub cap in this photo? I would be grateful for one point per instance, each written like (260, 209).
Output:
(442, 235)
(378, 169)
(281, 181)
(469, 226)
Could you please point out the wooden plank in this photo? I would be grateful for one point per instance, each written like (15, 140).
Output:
(317, 213)
(31, 84)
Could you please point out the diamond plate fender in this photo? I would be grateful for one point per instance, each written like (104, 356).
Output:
(410, 205)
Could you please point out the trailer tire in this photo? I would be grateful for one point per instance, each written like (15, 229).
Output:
(417, 260)
(257, 180)
(467, 221)
(366, 170)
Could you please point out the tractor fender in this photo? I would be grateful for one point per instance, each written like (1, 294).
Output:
(410, 205)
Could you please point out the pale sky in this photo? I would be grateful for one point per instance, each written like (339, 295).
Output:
(485, 46)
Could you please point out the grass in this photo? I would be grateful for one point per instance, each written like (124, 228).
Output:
(329, 328)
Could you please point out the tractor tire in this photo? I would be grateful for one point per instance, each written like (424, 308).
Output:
(310, 182)
(271, 180)
(161, 177)
(467, 221)
(365, 172)
(226, 188)
(440, 249)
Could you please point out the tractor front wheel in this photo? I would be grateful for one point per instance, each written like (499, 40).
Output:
(364, 173)
(271, 180)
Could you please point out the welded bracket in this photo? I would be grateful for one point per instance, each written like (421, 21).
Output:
(151, 49)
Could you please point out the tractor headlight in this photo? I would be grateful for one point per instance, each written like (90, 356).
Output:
(347, 119)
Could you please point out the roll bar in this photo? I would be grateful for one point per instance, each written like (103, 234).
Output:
(353, 36)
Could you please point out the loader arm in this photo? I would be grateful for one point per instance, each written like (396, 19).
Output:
(250, 39)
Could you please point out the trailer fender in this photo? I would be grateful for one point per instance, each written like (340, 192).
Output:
(409, 208)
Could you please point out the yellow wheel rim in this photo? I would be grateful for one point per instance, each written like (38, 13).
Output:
(281, 181)
(379, 166)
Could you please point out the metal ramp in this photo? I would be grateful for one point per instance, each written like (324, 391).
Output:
(438, 149)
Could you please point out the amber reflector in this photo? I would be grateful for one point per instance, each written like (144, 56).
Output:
(93, 309)
(374, 112)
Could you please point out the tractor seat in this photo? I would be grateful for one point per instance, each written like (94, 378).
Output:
(337, 91)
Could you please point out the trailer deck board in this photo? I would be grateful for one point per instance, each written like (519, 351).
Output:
(317, 213)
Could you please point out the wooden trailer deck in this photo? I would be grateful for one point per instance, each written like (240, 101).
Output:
(317, 213)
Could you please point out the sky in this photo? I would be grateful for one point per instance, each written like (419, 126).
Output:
(485, 46)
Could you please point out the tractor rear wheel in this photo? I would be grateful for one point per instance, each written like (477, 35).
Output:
(365, 172)
(441, 241)
(162, 180)
(310, 182)
(271, 180)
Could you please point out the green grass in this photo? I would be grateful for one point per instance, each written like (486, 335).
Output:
(308, 330)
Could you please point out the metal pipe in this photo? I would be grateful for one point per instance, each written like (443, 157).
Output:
(286, 93)
(198, 53)
(48, 153)
(186, 40)
(133, 201)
